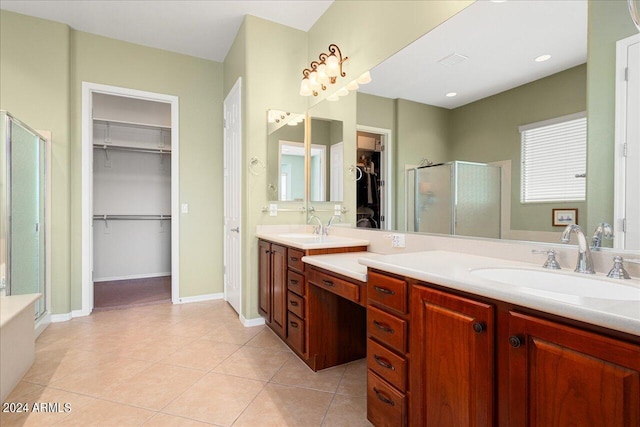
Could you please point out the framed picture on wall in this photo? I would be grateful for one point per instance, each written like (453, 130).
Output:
(562, 217)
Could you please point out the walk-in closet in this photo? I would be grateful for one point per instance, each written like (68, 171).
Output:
(131, 201)
(369, 195)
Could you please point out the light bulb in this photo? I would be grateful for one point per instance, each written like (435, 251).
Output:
(364, 78)
(322, 74)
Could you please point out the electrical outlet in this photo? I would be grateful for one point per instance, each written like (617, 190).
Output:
(398, 240)
(273, 209)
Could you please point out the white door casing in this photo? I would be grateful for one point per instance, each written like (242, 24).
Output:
(88, 89)
(232, 196)
(336, 159)
(627, 145)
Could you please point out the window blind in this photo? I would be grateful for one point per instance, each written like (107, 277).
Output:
(553, 153)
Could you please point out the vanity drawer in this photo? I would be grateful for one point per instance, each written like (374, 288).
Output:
(345, 289)
(387, 329)
(387, 364)
(295, 332)
(295, 282)
(387, 291)
(294, 259)
(295, 304)
(385, 405)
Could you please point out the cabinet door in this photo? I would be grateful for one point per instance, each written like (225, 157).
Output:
(563, 376)
(279, 289)
(264, 280)
(452, 360)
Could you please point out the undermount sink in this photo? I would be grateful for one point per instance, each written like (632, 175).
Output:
(557, 285)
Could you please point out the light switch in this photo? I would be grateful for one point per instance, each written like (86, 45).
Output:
(184, 208)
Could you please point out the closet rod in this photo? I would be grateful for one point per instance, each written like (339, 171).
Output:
(139, 150)
(131, 217)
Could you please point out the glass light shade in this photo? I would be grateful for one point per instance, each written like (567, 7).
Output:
(634, 10)
(313, 78)
(333, 97)
(322, 74)
(333, 65)
(342, 91)
(353, 85)
(364, 78)
(305, 87)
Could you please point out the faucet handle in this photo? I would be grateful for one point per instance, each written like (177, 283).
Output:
(551, 262)
(618, 271)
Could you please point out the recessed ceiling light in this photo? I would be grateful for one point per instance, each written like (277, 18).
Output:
(543, 58)
(451, 94)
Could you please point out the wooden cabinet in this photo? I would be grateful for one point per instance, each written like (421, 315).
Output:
(452, 342)
(474, 361)
(387, 350)
(564, 376)
(272, 285)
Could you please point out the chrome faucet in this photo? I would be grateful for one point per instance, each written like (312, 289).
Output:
(330, 223)
(317, 229)
(584, 264)
(602, 230)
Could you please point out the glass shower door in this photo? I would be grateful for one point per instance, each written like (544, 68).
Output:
(26, 213)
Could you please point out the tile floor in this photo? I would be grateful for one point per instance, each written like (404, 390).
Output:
(181, 365)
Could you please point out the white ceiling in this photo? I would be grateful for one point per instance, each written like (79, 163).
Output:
(204, 28)
(500, 39)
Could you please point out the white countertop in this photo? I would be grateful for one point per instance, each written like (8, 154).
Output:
(453, 270)
(311, 241)
(11, 306)
(345, 263)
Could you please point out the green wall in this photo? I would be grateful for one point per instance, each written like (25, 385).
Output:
(34, 87)
(43, 65)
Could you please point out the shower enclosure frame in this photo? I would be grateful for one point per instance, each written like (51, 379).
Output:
(44, 138)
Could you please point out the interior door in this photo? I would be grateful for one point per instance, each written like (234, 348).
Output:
(232, 200)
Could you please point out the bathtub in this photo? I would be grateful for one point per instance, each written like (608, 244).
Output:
(17, 339)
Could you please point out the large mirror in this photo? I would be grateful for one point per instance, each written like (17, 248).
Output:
(285, 156)
(466, 90)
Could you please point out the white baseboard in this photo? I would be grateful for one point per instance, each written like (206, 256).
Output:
(200, 298)
(65, 317)
(132, 277)
(256, 321)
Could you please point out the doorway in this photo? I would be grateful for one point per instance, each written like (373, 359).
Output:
(373, 182)
(130, 210)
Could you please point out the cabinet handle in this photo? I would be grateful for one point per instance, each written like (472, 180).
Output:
(384, 290)
(383, 362)
(294, 303)
(515, 341)
(328, 283)
(294, 259)
(294, 281)
(380, 395)
(479, 327)
(383, 327)
(267, 251)
(294, 324)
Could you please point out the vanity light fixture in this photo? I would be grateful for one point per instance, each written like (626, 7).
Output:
(543, 58)
(323, 72)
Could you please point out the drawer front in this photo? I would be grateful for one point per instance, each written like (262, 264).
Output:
(295, 332)
(295, 282)
(295, 304)
(294, 259)
(387, 328)
(391, 367)
(385, 406)
(387, 291)
(333, 284)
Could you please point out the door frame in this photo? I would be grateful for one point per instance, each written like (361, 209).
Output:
(386, 171)
(88, 89)
(619, 204)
